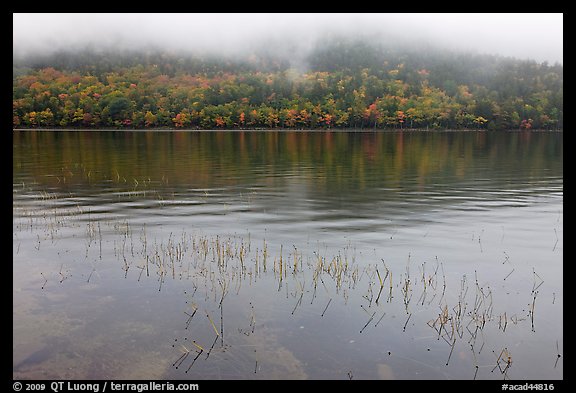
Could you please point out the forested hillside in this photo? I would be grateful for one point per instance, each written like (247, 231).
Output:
(339, 83)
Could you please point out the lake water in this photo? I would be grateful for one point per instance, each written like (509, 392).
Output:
(287, 255)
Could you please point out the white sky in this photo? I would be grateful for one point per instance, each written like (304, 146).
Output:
(524, 35)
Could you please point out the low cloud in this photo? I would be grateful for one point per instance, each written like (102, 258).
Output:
(525, 36)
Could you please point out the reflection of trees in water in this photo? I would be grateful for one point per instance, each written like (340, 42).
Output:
(347, 172)
(334, 169)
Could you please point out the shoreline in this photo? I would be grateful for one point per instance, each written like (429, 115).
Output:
(354, 130)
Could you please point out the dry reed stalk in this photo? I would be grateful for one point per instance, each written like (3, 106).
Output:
(376, 324)
(280, 261)
(534, 287)
(252, 318)
(370, 320)
(369, 293)
(379, 293)
(298, 302)
(181, 359)
(451, 350)
(558, 356)
(213, 325)
(211, 347)
(295, 269)
(555, 244)
(326, 308)
(406, 290)
(264, 255)
(506, 358)
(190, 316)
(390, 292)
(509, 274)
(405, 324)
(46, 280)
(194, 360)
(381, 285)
(532, 306)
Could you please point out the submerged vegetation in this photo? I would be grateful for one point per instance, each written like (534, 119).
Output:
(340, 83)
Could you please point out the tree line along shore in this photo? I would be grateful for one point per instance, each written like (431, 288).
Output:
(339, 85)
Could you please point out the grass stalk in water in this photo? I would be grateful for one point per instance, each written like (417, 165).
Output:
(451, 350)
(326, 308)
(213, 325)
(558, 356)
(370, 320)
(404, 328)
(381, 285)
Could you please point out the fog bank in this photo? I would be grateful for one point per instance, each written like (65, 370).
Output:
(524, 36)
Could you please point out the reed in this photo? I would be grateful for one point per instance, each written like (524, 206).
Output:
(451, 350)
(532, 307)
(211, 347)
(390, 291)
(190, 316)
(407, 291)
(252, 319)
(62, 275)
(89, 276)
(556, 243)
(264, 255)
(508, 275)
(100, 240)
(213, 325)
(369, 295)
(196, 358)
(382, 317)
(295, 266)
(503, 362)
(381, 285)
(298, 302)
(558, 356)
(280, 263)
(464, 310)
(503, 322)
(326, 308)
(160, 279)
(370, 320)
(536, 276)
(182, 358)
(45, 280)
(406, 323)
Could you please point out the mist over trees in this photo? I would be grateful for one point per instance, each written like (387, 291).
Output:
(339, 82)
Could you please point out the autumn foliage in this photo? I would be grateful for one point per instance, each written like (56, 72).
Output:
(392, 91)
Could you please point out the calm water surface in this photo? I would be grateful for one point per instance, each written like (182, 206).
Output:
(292, 255)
